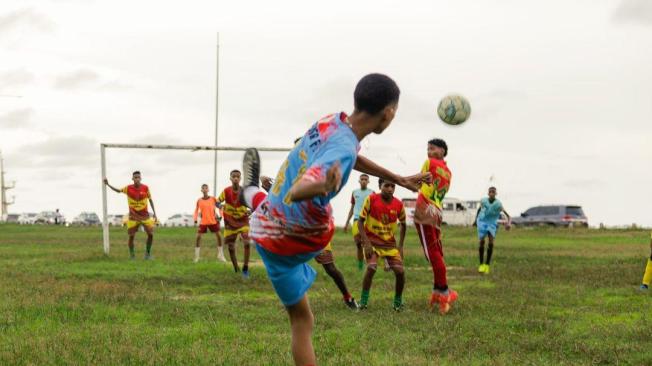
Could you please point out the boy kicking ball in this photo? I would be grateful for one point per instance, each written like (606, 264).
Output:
(486, 220)
(294, 223)
(377, 224)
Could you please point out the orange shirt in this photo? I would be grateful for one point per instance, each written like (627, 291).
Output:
(380, 220)
(207, 209)
(137, 198)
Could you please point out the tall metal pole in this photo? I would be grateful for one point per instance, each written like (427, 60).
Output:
(3, 209)
(217, 113)
(105, 219)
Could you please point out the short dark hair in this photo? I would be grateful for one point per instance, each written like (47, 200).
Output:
(234, 171)
(439, 143)
(374, 92)
(492, 188)
(204, 185)
(381, 181)
(135, 172)
(364, 175)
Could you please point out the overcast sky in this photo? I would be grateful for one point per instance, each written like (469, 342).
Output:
(561, 93)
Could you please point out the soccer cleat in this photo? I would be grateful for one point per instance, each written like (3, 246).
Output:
(132, 257)
(486, 269)
(221, 257)
(352, 304)
(643, 287)
(195, 260)
(251, 168)
(362, 306)
(434, 299)
(245, 274)
(481, 268)
(148, 257)
(399, 307)
(445, 301)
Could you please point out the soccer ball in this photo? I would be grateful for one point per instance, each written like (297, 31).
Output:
(454, 109)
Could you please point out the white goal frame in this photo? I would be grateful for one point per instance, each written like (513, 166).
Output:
(104, 146)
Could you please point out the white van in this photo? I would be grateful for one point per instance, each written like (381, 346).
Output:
(455, 212)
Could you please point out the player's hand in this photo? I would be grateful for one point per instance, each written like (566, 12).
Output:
(413, 182)
(266, 183)
(333, 178)
(346, 228)
(195, 222)
(508, 225)
(106, 181)
(366, 244)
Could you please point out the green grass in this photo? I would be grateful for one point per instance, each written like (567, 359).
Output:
(553, 297)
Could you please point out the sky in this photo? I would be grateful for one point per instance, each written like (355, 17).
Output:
(561, 93)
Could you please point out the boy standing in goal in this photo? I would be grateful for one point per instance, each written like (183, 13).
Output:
(294, 223)
(137, 196)
(206, 208)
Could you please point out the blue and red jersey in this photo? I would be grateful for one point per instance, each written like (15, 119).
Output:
(287, 228)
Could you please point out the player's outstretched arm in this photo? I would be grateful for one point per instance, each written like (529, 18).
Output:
(106, 181)
(307, 189)
(196, 214)
(151, 202)
(366, 243)
(412, 182)
(348, 218)
(477, 213)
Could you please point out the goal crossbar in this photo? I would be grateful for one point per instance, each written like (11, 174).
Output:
(104, 146)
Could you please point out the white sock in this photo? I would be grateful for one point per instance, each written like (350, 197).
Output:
(220, 251)
(249, 193)
(197, 253)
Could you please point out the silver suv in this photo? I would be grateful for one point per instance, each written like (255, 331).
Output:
(557, 215)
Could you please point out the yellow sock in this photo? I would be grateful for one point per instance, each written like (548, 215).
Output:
(647, 277)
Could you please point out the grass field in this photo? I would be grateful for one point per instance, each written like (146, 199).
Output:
(553, 297)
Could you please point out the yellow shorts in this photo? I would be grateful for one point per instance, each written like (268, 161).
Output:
(132, 225)
(354, 228)
(231, 232)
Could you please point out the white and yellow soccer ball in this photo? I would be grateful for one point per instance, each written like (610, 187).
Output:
(454, 109)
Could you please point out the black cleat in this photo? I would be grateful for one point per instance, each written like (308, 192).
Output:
(251, 168)
(351, 304)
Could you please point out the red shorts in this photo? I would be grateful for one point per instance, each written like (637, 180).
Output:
(213, 228)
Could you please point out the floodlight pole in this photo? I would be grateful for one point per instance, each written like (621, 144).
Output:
(217, 112)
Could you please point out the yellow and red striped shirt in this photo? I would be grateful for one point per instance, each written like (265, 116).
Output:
(137, 199)
(236, 215)
(380, 220)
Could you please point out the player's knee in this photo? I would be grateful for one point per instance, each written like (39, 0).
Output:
(371, 268)
(398, 271)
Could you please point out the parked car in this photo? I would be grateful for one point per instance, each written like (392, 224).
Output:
(553, 215)
(11, 218)
(454, 212)
(86, 219)
(179, 220)
(28, 218)
(50, 218)
(117, 220)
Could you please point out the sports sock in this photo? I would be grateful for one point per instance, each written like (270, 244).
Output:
(245, 268)
(397, 301)
(481, 252)
(490, 251)
(197, 253)
(647, 277)
(132, 251)
(148, 248)
(220, 251)
(360, 265)
(364, 297)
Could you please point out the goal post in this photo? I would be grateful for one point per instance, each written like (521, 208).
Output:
(104, 146)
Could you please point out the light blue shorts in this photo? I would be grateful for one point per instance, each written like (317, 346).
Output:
(290, 275)
(485, 228)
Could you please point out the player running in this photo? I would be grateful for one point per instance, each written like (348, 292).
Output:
(647, 276)
(137, 196)
(206, 208)
(294, 222)
(377, 224)
(357, 199)
(486, 219)
(236, 221)
(428, 218)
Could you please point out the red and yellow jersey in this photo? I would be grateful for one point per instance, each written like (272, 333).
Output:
(236, 215)
(441, 180)
(207, 209)
(380, 219)
(137, 198)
